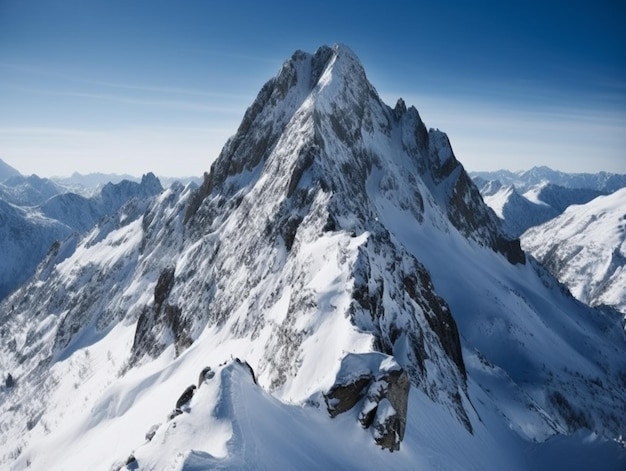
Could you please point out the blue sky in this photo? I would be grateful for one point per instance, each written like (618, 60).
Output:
(135, 86)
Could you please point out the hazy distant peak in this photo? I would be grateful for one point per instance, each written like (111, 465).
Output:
(6, 171)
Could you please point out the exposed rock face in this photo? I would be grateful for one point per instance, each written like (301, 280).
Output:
(160, 314)
(163, 286)
(343, 397)
(186, 396)
(379, 388)
(207, 373)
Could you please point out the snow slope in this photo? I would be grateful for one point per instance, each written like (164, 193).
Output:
(585, 248)
(339, 248)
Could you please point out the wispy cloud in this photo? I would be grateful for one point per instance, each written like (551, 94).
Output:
(169, 90)
(113, 85)
(188, 105)
(46, 131)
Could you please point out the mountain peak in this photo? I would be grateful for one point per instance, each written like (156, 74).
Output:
(325, 72)
(339, 58)
(320, 123)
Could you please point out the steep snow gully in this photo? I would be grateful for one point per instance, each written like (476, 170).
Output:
(345, 295)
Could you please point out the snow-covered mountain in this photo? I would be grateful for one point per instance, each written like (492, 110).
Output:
(538, 204)
(81, 213)
(560, 198)
(25, 237)
(516, 212)
(335, 289)
(585, 248)
(92, 180)
(28, 230)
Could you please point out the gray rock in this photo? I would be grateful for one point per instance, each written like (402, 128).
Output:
(343, 397)
(380, 393)
(186, 396)
(205, 374)
(389, 422)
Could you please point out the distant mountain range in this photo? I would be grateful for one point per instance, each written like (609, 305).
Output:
(29, 191)
(526, 199)
(84, 184)
(525, 180)
(575, 228)
(36, 212)
(93, 181)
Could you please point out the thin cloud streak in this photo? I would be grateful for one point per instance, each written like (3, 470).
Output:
(177, 104)
(120, 85)
(46, 131)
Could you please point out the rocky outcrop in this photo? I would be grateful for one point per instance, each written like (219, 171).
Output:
(206, 374)
(378, 388)
(186, 396)
(385, 409)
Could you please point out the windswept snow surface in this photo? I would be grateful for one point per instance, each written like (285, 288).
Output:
(334, 235)
(585, 248)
